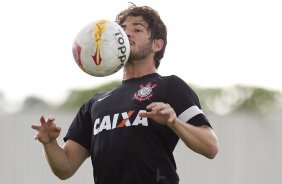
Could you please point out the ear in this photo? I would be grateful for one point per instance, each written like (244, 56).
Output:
(157, 45)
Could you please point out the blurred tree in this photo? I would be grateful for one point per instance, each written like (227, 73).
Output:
(240, 99)
(77, 97)
(1, 96)
(1, 102)
(32, 103)
(208, 98)
(220, 101)
(260, 101)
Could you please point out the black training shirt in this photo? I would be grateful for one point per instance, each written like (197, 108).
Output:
(128, 149)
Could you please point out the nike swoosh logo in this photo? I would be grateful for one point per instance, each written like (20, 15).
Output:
(100, 99)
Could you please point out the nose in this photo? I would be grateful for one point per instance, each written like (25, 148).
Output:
(128, 33)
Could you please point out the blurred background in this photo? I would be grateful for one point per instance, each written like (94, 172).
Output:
(228, 52)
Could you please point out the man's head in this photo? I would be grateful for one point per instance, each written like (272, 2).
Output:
(156, 27)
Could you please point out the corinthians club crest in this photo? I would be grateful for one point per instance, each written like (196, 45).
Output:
(145, 92)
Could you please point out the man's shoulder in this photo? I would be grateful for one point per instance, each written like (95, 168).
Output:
(172, 78)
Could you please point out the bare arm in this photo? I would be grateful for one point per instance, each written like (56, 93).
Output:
(64, 161)
(200, 139)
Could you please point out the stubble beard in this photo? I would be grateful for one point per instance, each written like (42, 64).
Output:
(140, 54)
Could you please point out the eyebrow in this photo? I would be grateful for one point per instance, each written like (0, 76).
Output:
(139, 24)
(134, 24)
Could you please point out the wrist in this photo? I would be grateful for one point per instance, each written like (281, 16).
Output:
(172, 125)
(50, 143)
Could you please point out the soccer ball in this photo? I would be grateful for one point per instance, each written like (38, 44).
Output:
(101, 48)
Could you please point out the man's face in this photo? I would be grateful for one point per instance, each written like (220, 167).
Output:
(139, 37)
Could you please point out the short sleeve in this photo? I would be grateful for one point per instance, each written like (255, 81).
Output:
(80, 129)
(185, 102)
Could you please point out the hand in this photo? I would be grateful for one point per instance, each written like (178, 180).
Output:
(161, 112)
(47, 131)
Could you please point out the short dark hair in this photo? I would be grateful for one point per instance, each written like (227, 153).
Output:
(156, 26)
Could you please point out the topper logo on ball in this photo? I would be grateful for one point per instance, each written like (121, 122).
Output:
(122, 47)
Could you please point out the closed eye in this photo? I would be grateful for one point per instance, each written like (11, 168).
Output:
(137, 30)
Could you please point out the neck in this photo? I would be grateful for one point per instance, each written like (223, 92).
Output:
(137, 70)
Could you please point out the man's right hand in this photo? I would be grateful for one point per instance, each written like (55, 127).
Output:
(47, 131)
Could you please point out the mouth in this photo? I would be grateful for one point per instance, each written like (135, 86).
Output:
(131, 42)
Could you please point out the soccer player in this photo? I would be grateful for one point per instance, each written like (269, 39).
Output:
(130, 132)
